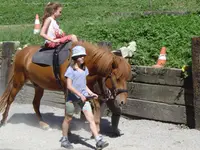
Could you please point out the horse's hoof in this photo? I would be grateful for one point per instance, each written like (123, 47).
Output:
(2, 124)
(116, 133)
(44, 126)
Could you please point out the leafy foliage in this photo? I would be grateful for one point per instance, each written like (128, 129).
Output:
(116, 21)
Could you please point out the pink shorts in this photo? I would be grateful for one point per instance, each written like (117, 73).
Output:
(62, 40)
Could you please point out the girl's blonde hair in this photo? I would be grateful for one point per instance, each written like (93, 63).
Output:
(50, 9)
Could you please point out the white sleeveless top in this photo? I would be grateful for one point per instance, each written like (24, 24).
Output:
(53, 28)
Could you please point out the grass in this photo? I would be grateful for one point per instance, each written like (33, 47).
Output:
(118, 21)
(76, 11)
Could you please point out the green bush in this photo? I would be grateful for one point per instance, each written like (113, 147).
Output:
(116, 21)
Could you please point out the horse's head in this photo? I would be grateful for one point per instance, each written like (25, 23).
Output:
(115, 70)
(116, 81)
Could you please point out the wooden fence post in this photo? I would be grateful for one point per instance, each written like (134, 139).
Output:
(196, 79)
(7, 50)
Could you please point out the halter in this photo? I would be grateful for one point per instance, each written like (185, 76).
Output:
(113, 91)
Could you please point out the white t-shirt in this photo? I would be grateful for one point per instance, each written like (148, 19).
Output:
(53, 28)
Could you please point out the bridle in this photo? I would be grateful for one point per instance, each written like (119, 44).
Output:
(111, 93)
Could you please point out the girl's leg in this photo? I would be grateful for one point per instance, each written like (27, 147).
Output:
(69, 110)
(67, 38)
(90, 118)
(87, 110)
(65, 125)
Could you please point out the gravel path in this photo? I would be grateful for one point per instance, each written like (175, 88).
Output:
(22, 133)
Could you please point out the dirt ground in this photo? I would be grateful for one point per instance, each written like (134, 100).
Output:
(23, 133)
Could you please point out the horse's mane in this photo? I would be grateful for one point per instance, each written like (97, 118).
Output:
(123, 69)
(100, 57)
(103, 59)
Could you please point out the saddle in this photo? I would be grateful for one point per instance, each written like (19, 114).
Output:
(44, 56)
(53, 57)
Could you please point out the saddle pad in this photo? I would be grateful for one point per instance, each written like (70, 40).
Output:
(45, 56)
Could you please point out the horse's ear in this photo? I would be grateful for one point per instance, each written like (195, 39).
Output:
(115, 64)
(117, 52)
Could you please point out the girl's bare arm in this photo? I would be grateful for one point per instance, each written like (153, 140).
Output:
(90, 92)
(44, 29)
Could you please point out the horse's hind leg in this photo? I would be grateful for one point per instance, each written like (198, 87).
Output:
(14, 85)
(36, 105)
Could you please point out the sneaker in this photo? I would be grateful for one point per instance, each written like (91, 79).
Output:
(101, 144)
(65, 143)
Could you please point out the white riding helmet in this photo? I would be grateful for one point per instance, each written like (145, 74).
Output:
(78, 51)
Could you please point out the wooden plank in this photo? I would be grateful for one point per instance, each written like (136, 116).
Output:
(156, 111)
(163, 76)
(196, 78)
(160, 93)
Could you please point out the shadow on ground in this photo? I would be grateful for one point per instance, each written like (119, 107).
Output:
(55, 122)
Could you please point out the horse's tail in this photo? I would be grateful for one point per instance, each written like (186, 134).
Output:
(5, 97)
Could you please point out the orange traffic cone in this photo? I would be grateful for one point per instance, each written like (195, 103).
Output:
(162, 58)
(37, 25)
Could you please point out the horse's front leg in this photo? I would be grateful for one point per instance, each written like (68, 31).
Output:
(36, 105)
(97, 113)
(116, 113)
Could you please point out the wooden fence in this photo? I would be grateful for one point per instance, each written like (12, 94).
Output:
(160, 94)
(153, 93)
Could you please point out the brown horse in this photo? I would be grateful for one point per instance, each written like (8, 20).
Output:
(100, 62)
